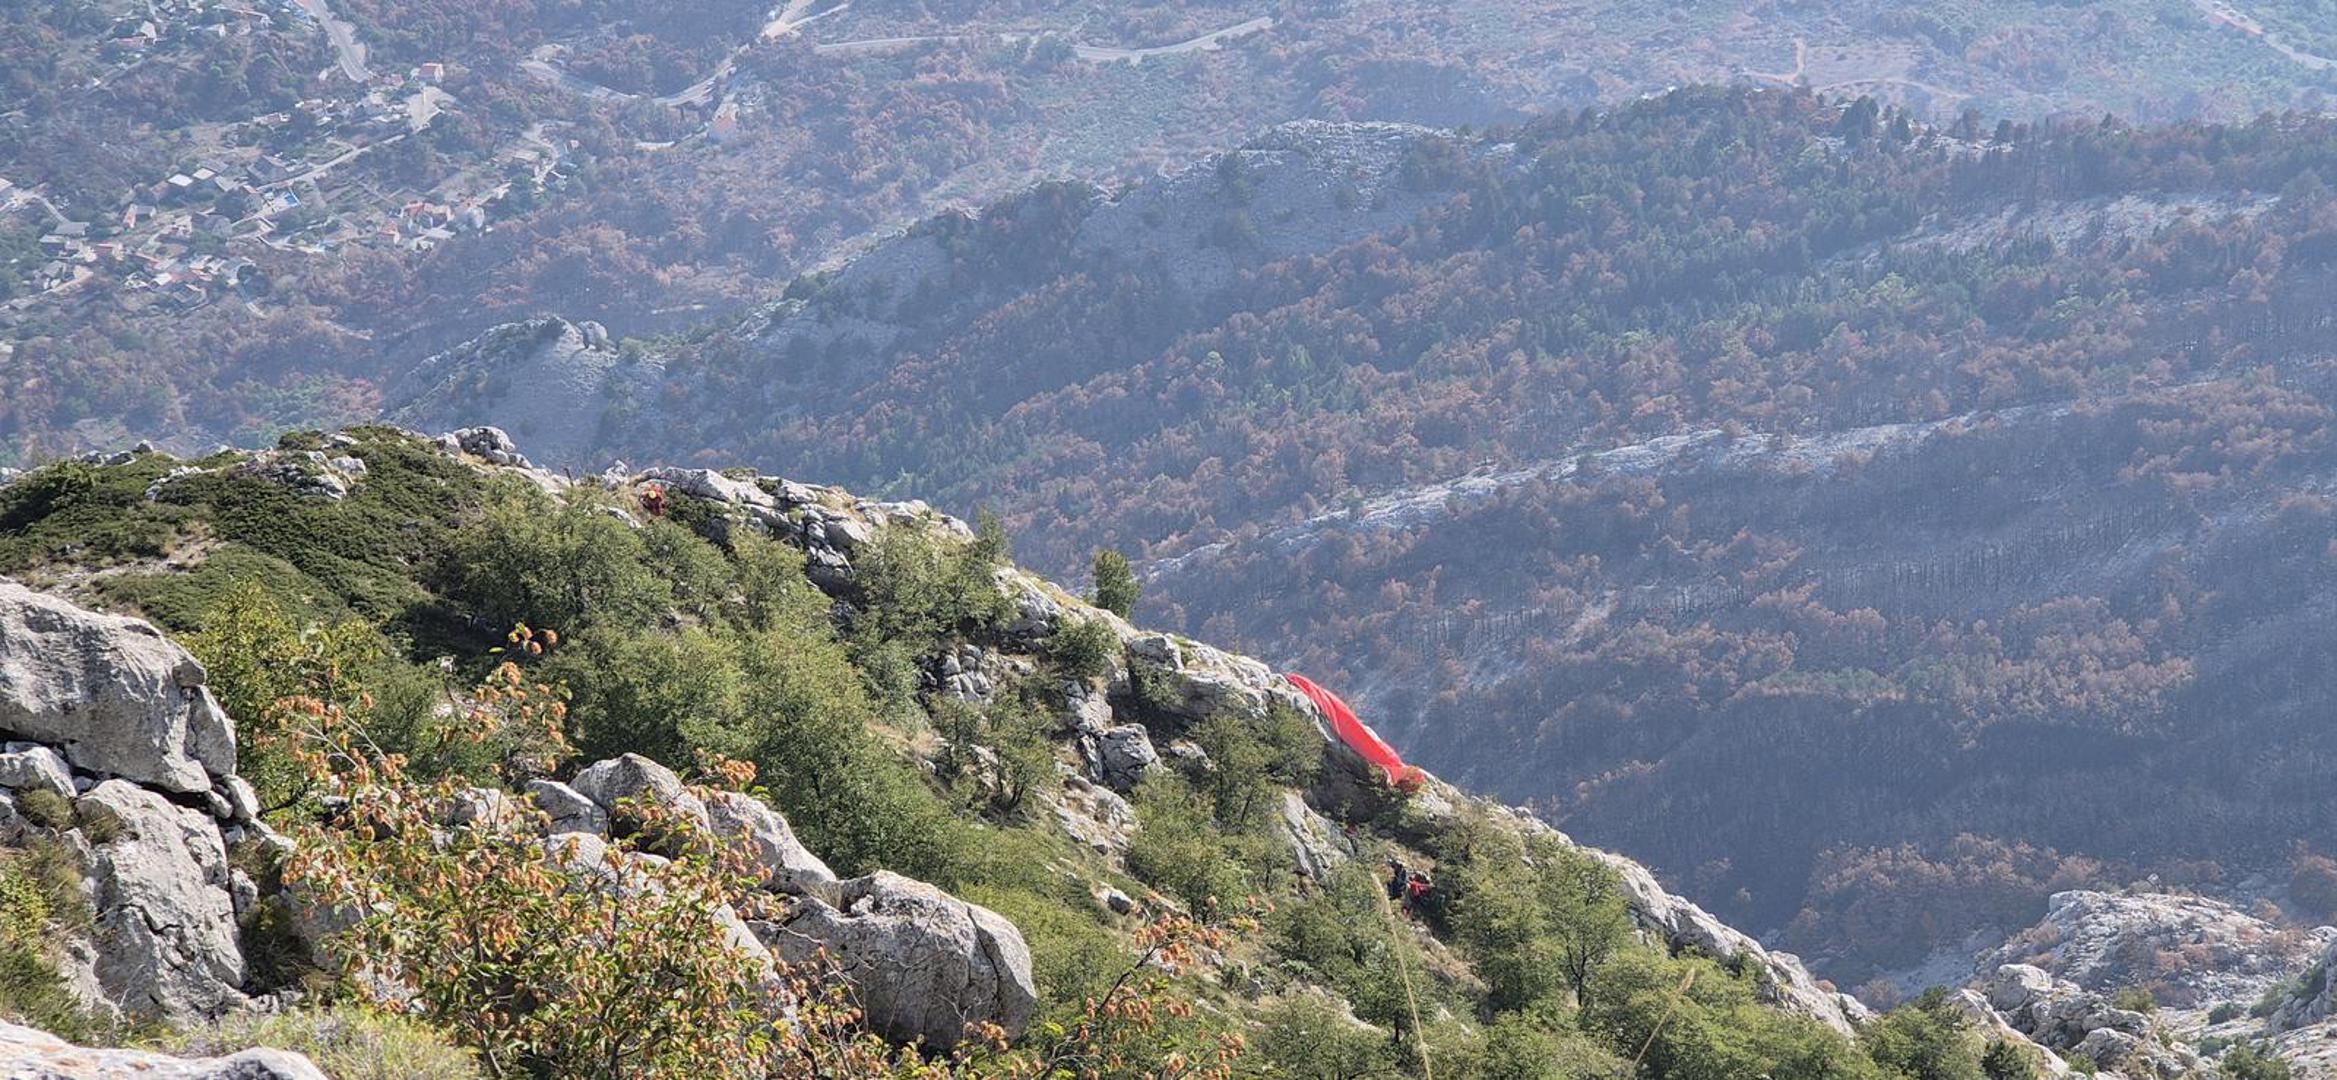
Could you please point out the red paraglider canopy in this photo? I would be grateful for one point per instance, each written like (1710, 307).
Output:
(1355, 734)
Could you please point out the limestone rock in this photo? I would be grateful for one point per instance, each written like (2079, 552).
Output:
(1094, 815)
(1314, 842)
(110, 693)
(1120, 756)
(1992, 1025)
(786, 864)
(1678, 922)
(569, 810)
(31, 1054)
(712, 486)
(609, 784)
(2103, 942)
(922, 963)
(33, 767)
(166, 946)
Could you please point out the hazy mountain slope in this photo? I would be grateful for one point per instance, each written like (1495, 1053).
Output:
(402, 176)
(1975, 485)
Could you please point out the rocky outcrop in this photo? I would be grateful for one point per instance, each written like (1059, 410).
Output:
(109, 693)
(122, 758)
(166, 943)
(1120, 756)
(922, 963)
(1681, 924)
(2193, 952)
(1314, 842)
(2071, 1020)
(1973, 1006)
(548, 379)
(37, 1055)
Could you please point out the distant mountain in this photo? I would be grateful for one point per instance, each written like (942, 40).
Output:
(362, 182)
(1935, 515)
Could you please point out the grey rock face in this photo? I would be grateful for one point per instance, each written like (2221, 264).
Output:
(1679, 922)
(710, 485)
(2065, 1017)
(923, 963)
(1093, 815)
(569, 810)
(162, 890)
(1314, 842)
(110, 693)
(2103, 941)
(631, 776)
(31, 767)
(786, 864)
(492, 444)
(1120, 756)
(37, 1055)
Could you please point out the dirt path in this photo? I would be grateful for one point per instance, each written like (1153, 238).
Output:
(1098, 54)
(2218, 11)
(1801, 65)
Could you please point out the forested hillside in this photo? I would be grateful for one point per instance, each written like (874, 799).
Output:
(1968, 478)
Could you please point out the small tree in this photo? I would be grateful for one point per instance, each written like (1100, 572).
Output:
(1116, 587)
(2004, 1061)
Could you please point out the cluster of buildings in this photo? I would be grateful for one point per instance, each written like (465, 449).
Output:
(162, 21)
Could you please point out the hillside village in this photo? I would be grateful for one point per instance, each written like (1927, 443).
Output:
(251, 191)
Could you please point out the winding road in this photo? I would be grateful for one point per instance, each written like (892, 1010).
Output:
(344, 39)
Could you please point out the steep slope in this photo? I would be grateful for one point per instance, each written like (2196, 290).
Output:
(1971, 484)
(1069, 774)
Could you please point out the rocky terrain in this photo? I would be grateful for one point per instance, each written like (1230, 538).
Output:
(124, 760)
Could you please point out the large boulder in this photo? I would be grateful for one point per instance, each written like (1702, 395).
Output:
(923, 964)
(110, 693)
(782, 861)
(166, 946)
(37, 1055)
(622, 783)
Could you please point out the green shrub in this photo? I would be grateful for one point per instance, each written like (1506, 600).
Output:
(1538, 923)
(1309, 1037)
(1710, 1027)
(2225, 1012)
(1344, 938)
(1001, 753)
(347, 1042)
(1926, 1040)
(98, 513)
(1251, 760)
(916, 587)
(41, 904)
(2135, 999)
(2248, 1063)
(1527, 1046)
(1083, 649)
(1116, 587)
(560, 566)
(1179, 849)
(2004, 1061)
